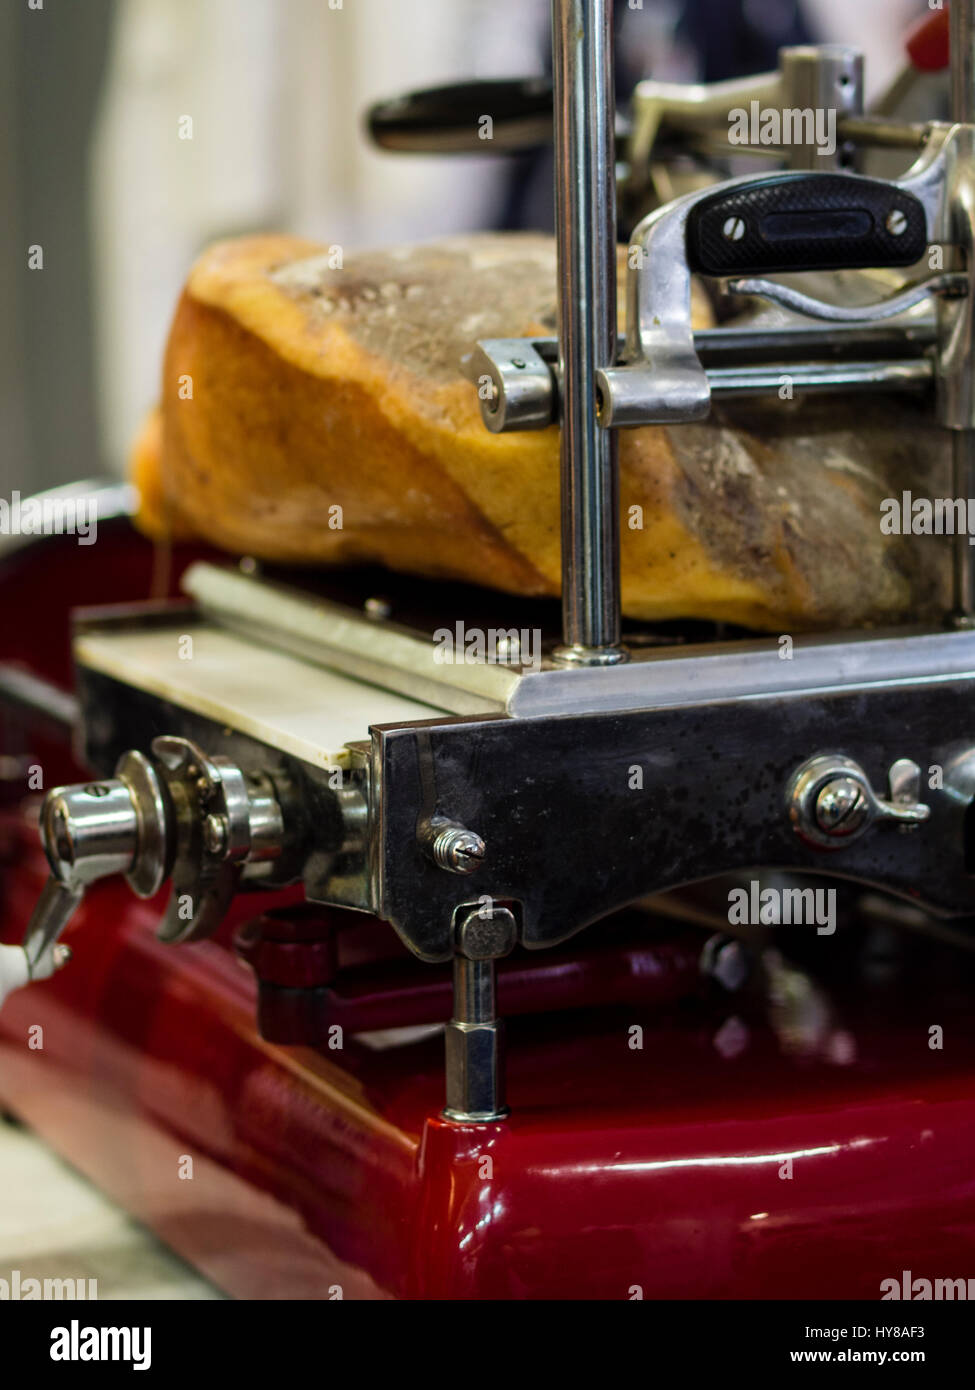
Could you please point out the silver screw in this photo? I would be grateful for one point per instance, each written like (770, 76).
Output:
(215, 833)
(457, 850)
(733, 229)
(841, 807)
(896, 222)
(486, 935)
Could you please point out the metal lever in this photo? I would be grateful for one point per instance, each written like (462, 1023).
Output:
(39, 956)
(450, 119)
(948, 285)
(55, 908)
(90, 831)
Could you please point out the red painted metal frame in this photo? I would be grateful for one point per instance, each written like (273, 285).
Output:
(674, 1168)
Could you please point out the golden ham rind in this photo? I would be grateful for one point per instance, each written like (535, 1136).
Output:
(299, 394)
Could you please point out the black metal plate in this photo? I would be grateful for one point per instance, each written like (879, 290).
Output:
(570, 839)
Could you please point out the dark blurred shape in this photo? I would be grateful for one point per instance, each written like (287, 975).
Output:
(731, 38)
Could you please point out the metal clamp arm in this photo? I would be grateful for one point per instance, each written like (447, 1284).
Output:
(782, 221)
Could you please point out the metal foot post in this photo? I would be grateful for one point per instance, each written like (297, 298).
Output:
(475, 1035)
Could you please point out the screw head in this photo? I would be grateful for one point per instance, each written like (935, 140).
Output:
(457, 850)
(841, 807)
(215, 833)
(896, 222)
(733, 229)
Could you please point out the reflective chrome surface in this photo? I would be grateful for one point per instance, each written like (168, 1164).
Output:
(585, 183)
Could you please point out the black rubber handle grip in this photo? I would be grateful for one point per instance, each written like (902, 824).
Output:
(451, 120)
(799, 221)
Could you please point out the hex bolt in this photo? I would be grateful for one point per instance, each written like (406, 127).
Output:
(733, 229)
(841, 807)
(458, 850)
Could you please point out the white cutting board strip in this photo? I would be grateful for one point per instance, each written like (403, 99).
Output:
(304, 710)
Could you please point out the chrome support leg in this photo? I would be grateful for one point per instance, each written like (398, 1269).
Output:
(475, 1035)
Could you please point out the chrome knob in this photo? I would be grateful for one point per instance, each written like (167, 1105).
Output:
(89, 831)
(830, 800)
(181, 814)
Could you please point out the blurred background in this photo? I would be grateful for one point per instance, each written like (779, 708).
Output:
(94, 97)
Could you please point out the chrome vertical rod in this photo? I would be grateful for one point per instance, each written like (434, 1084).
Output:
(585, 212)
(962, 54)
